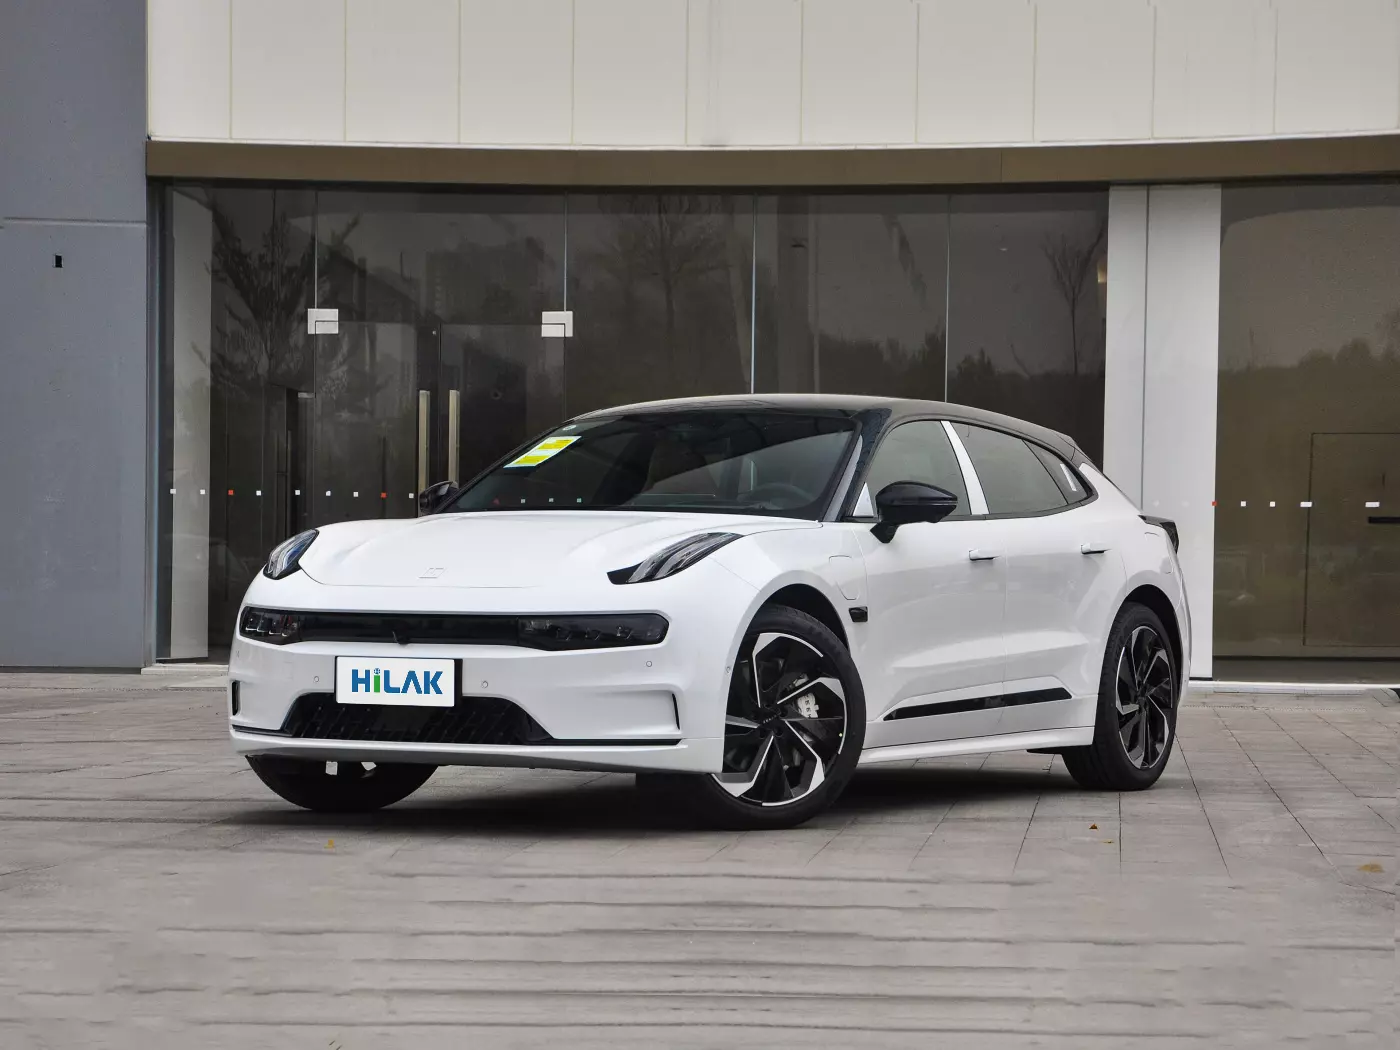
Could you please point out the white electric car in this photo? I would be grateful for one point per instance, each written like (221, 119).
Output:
(740, 599)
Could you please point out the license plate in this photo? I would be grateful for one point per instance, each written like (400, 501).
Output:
(397, 682)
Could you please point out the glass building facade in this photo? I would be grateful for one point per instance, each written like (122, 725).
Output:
(1307, 528)
(437, 365)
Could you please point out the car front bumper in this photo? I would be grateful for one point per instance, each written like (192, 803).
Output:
(650, 707)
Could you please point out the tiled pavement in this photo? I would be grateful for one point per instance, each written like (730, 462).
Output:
(153, 894)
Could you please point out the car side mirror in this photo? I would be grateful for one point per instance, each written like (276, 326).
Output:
(434, 497)
(908, 502)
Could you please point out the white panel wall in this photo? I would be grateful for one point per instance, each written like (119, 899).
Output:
(188, 41)
(1093, 70)
(289, 70)
(1180, 378)
(192, 235)
(629, 72)
(742, 73)
(976, 71)
(745, 73)
(1338, 65)
(859, 80)
(1214, 68)
(1125, 336)
(517, 71)
(401, 70)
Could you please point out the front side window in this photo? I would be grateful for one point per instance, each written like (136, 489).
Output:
(745, 462)
(1013, 478)
(918, 451)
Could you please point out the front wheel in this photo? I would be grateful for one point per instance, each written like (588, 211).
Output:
(340, 787)
(1136, 722)
(793, 729)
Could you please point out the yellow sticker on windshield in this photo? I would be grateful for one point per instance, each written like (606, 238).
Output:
(543, 451)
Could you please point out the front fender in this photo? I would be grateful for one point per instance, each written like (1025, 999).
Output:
(827, 560)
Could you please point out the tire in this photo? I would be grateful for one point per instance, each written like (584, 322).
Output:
(789, 752)
(1135, 726)
(355, 787)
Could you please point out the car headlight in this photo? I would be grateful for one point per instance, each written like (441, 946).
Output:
(670, 560)
(285, 558)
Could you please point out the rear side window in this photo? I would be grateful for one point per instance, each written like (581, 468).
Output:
(1071, 485)
(1013, 478)
(918, 451)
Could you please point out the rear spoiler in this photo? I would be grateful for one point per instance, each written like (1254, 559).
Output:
(1166, 525)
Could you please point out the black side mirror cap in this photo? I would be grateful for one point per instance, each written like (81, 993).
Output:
(435, 497)
(908, 502)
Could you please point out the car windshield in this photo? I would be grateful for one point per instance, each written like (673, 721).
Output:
(745, 462)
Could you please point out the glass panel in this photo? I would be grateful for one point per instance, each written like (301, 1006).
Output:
(659, 285)
(510, 384)
(919, 452)
(239, 280)
(417, 258)
(365, 418)
(1012, 476)
(1308, 413)
(1027, 292)
(852, 294)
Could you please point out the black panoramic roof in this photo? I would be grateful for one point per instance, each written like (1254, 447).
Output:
(896, 409)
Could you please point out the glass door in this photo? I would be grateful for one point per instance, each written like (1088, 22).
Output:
(364, 438)
(398, 407)
(499, 385)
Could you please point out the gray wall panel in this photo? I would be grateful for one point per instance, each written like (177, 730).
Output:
(73, 122)
(73, 341)
(72, 419)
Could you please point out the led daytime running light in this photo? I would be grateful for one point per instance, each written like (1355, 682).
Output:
(670, 560)
(285, 558)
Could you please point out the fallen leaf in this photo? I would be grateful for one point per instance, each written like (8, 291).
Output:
(330, 843)
(1108, 842)
(1373, 869)
(1093, 827)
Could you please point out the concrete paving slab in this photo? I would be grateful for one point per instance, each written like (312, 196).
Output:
(153, 894)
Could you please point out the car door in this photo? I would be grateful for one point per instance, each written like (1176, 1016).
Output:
(1063, 577)
(935, 604)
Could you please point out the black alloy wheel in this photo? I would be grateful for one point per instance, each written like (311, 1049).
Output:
(1138, 696)
(793, 729)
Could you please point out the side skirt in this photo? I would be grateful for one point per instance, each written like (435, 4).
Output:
(975, 745)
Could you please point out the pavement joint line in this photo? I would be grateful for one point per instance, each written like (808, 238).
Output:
(1359, 743)
(1304, 748)
(1204, 812)
(1276, 795)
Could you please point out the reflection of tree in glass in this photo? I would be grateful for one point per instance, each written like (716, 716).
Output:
(669, 275)
(271, 286)
(1072, 265)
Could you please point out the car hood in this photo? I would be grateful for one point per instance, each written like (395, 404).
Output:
(507, 549)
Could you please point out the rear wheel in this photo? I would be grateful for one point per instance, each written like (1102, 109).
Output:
(1136, 722)
(340, 787)
(794, 727)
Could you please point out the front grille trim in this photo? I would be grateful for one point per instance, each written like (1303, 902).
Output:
(435, 628)
(471, 720)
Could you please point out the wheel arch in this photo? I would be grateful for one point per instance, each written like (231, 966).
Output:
(808, 599)
(1156, 599)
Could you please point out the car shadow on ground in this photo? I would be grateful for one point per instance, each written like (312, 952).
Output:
(613, 804)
